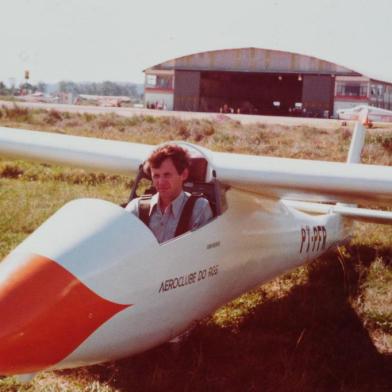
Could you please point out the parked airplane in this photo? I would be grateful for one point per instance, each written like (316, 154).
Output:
(92, 283)
(103, 100)
(366, 114)
(37, 97)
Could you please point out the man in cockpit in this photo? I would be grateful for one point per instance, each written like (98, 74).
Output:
(171, 211)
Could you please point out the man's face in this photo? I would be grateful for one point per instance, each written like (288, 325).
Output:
(167, 181)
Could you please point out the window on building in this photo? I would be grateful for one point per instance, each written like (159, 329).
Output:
(351, 89)
(151, 80)
(340, 89)
(363, 91)
(377, 90)
(159, 81)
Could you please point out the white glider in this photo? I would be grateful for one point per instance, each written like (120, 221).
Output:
(97, 267)
(366, 114)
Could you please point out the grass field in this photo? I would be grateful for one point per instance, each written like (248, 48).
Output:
(322, 327)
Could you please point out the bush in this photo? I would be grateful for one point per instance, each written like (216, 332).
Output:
(385, 140)
(17, 113)
(52, 117)
(10, 171)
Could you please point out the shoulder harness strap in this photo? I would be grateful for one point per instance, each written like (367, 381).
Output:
(144, 209)
(185, 219)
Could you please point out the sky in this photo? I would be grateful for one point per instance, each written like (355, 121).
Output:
(97, 40)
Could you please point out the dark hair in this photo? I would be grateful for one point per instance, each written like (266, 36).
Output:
(179, 156)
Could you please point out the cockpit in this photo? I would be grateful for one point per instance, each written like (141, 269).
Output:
(202, 180)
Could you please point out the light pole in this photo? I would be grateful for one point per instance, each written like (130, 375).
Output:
(27, 77)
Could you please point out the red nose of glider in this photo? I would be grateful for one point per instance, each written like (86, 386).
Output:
(45, 313)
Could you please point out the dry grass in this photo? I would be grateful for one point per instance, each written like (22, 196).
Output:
(324, 327)
(277, 140)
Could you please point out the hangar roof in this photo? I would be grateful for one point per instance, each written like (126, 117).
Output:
(252, 60)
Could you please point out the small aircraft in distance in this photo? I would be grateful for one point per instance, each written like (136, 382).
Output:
(103, 100)
(366, 114)
(92, 284)
(37, 97)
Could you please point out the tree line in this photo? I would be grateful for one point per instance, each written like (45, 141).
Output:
(101, 88)
(106, 88)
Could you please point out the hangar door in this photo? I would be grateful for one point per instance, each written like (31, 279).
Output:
(256, 93)
(317, 95)
(186, 90)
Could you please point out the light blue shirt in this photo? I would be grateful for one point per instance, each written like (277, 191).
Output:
(164, 225)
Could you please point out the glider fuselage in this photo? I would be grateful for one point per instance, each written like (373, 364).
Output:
(100, 287)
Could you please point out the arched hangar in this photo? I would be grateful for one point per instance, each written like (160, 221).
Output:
(260, 81)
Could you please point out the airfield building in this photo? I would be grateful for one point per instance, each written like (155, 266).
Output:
(260, 81)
